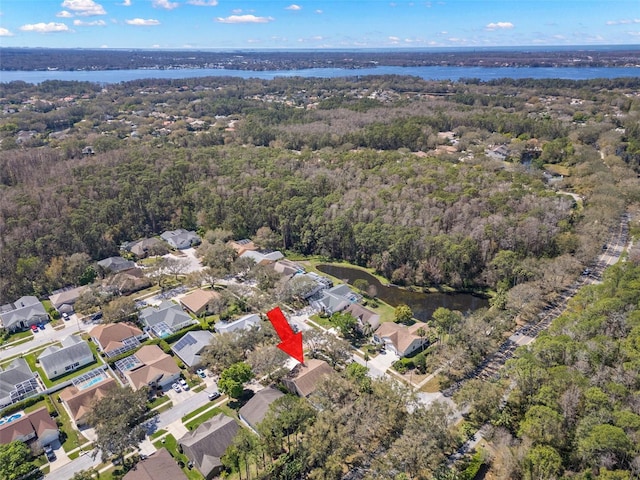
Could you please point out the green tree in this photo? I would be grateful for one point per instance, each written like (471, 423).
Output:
(543, 425)
(403, 314)
(15, 460)
(346, 323)
(118, 310)
(90, 474)
(117, 418)
(445, 319)
(542, 462)
(605, 441)
(233, 378)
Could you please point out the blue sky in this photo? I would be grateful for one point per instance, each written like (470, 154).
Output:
(316, 24)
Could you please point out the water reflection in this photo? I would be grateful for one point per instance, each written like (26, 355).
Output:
(422, 304)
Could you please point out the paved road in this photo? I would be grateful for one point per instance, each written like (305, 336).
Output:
(48, 335)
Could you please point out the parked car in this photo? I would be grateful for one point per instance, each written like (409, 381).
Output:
(214, 395)
(41, 326)
(51, 455)
(65, 316)
(201, 373)
(184, 384)
(176, 387)
(34, 328)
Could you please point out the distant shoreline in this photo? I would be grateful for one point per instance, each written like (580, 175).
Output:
(43, 59)
(434, 73)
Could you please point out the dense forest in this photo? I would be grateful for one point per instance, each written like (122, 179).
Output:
(394, 173)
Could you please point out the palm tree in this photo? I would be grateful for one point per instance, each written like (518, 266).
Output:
(421, 333)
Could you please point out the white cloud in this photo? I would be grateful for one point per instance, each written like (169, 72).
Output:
(84, 8)
(393, 39)
(294, 7)
(5, 33)
(141, 22)
(64, 14)
(634, 34)
(244, 19)
(236, 11)
(319, 12)
(45, 27)
(625, 21)
(203, 3)
(166, 4)
(126, 3)
(97, 23)
(499, 26)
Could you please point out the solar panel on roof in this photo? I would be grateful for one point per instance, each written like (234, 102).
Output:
(185, 342)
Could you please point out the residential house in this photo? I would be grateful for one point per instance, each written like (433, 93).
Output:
(127, 281)
(335, 299)
(79, 400)
(304, 378)
(243, 323)
(35, 426)
(189, 347)
(368, 321)
(318, 282)
(241, 246)
(116, 264)
(149, 366)
(400, 339)
(287, 268)
(64, 300)
(206, 445)
(501, 153)
(23, 313)
(199, 301)
(181, 238)
(147, 246)
(74, 353)
(17, 382)
(159, 465)
(254, 411)
(263, 257)
(165, 319)
(116, 338)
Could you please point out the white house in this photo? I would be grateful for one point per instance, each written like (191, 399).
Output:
(74, 353)
(244, 323)
(23, 313)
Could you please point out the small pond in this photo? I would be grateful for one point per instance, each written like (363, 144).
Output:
(422, 304)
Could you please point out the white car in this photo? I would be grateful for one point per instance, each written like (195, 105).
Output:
(184, 384)
(176, 387)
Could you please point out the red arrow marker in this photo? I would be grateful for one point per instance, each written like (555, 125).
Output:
(291, 343)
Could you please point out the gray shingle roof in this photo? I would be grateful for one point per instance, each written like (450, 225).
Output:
(168, 312)
(209, 442)
(27, 309)
(254, 411)
(189, 347)
(54, 359)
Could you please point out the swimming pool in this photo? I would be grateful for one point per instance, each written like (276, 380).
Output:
(92, 382)
(10, 418)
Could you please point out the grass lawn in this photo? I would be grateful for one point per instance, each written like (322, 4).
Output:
(157, 434)
(19, 338)
(170, 443)
(322, 321)
(433, 385)
(195, 423)
(158, 401)
(196, 412)
(70, 437)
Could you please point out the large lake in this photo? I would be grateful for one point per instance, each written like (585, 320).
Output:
(427, 73)
(422, 304)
